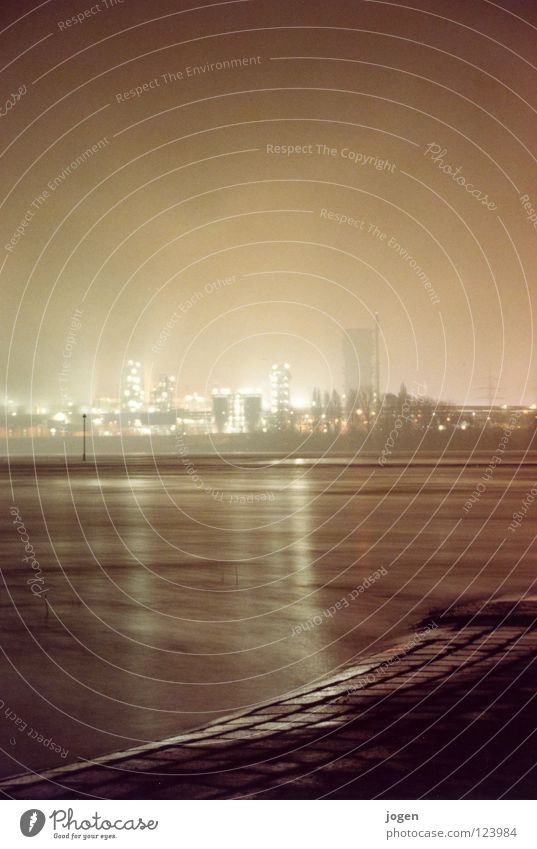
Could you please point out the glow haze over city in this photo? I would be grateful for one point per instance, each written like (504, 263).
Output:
(272, 187)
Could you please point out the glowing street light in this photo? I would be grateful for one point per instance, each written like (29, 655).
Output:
(84, 437)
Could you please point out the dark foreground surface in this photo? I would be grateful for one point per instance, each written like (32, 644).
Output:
(170, 601)
(449, 713)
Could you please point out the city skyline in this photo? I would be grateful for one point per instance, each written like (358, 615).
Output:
(359, 365)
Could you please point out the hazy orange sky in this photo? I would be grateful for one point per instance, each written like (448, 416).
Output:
(190, 180)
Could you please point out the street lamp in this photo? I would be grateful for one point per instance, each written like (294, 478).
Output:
(84, 437)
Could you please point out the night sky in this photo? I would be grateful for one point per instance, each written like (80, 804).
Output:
(258, 176)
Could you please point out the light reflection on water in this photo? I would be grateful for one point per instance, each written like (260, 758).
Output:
(172, 605)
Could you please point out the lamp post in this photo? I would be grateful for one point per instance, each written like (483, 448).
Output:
(377, 361)
(84, 437)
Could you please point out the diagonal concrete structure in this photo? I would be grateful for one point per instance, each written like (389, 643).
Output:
(449, 713)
